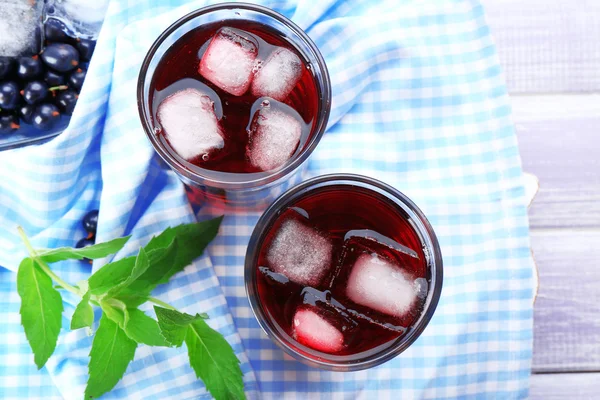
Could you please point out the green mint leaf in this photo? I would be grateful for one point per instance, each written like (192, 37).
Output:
(211, 357)
(165, 264)
(132, 300)
(167, 253)
(174, 324)
(214, 361)
(139, 267)
(116, 276)
(112, 351)
(99, 250)
(41, 309)
(208, 228)
(110, 275)
(144, 329)
(84, 313)
(116, 311)
(159, 259)
(172, 251)
(137, 325)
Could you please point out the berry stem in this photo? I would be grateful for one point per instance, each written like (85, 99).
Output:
(61, 87)
(34, 255)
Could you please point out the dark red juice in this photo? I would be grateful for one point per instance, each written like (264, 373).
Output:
(236, 107)
(346, 264)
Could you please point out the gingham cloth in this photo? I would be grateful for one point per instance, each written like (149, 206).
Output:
(419, 102)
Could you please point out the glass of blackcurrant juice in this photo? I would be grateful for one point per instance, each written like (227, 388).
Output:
(343, 272)
(234, 97)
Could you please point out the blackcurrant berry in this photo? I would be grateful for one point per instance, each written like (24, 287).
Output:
(7, 66)
(60, 57)
(66, 100)
(54, 78)
(85, 242)
(26, 113)
(55, 31)
(90, 222)
(76, 79)
(86, 49)
(29, 68)
(9, 95)
(8, 123)
(45, 116)
(34, 92)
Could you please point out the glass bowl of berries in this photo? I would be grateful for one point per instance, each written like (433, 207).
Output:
(43, 64)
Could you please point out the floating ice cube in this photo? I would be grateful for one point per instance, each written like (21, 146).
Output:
(20, 27)
(274, 134)
(277, 75)
(229, 60)
(421, 287)
(316, 332)
(372, 240)
(300, 253)
(190, 124)
(381, 286)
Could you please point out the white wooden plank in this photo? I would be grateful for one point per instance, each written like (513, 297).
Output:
(559, 140)
(567, 308)
(565, 386)
(547, 46)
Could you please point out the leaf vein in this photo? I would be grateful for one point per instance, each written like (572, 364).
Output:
(43, 314)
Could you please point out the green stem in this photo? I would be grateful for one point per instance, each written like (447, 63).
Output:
(60, 87)
(161, 303)
(43, 265)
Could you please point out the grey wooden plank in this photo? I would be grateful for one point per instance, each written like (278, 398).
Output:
(547, 46)
(559, 140)
(567, 308)
(565, 386)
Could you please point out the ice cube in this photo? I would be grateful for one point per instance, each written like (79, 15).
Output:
(316, 332)
(190, 124)
(277, 75)
(85, 10)
(347, 317)
(228, 61)
(300, 253)
(20, 27)
(274, 134)
(83, 18)
(370, 239)
(378, 284)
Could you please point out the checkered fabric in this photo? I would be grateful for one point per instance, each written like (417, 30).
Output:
(419, 102)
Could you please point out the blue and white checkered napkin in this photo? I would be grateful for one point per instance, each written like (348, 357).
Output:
(419, 102)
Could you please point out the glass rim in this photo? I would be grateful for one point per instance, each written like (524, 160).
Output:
(423, 228)
(193, 172)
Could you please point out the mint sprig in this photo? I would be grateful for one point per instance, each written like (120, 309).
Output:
(118, 289)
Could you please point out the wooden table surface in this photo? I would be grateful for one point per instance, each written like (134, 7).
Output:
(550, 52)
